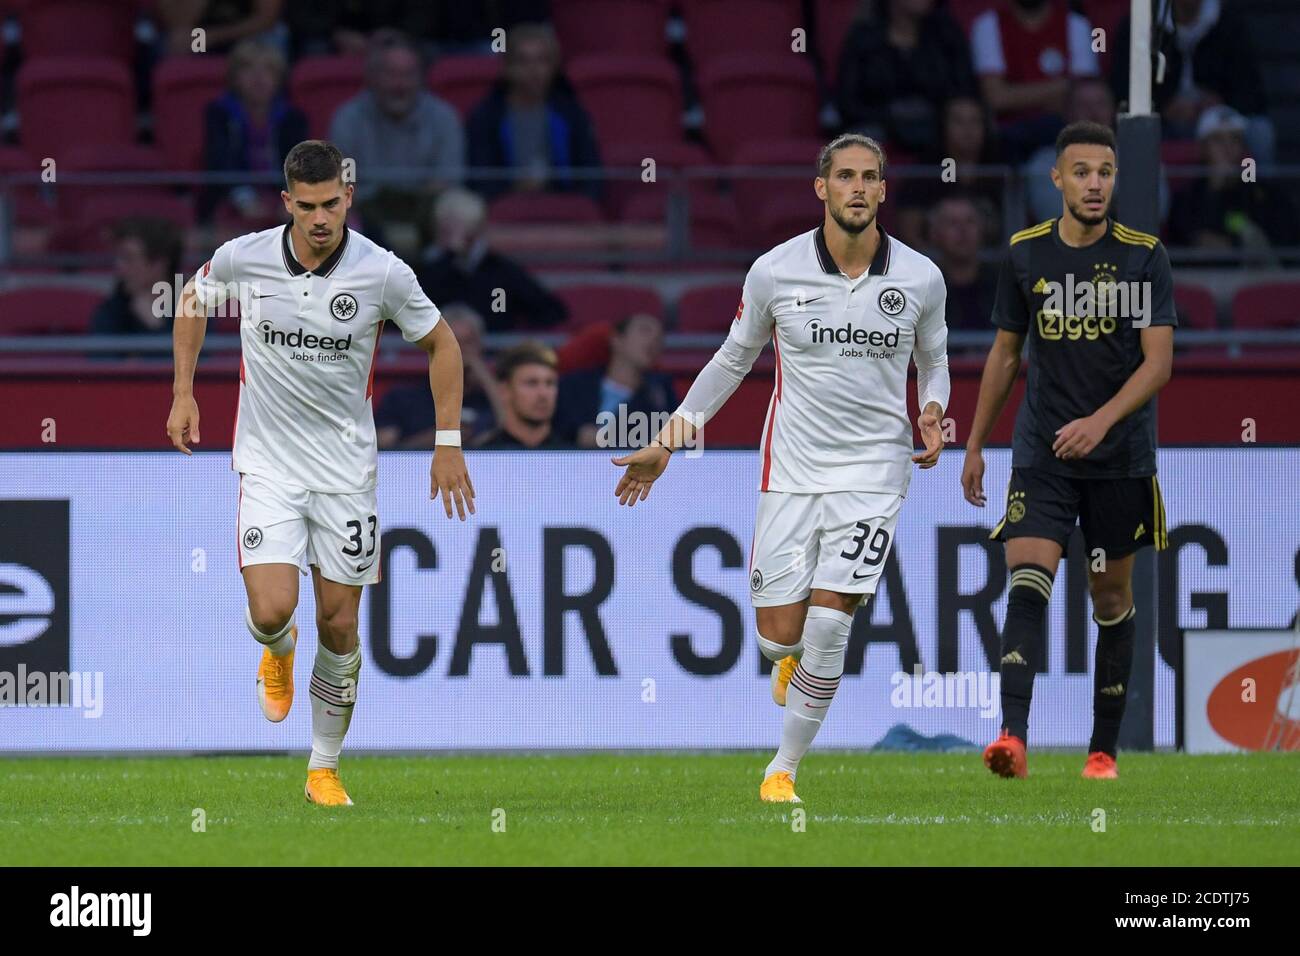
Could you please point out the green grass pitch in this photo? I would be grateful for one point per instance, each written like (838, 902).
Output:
(662, 808)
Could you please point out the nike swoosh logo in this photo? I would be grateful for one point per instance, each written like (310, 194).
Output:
(813, 299)
(859, 577)
(267, 295)
(363, 567)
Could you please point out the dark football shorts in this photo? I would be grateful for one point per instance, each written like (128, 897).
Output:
(1118, 515)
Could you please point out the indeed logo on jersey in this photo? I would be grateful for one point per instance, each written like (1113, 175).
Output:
(848, 335)
(302, 339)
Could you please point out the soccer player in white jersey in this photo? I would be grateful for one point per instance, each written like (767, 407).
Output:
(845, 306)
(313, 297)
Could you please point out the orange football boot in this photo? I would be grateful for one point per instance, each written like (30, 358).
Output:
(325, 788)
(275, 683)
(778, 788)
(1100, 766)
(1006, 756)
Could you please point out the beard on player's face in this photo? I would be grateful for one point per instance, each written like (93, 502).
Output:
(863, 217)
(1087, 216)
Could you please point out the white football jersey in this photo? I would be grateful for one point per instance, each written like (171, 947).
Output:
(308, 342)
(838, 419)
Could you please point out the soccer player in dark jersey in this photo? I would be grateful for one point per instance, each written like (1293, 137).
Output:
(1094, 301)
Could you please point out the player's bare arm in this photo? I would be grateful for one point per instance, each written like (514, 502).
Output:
(646, 464)
(448, 475)
(1000, 371)
(187, 339)
(1078, 438)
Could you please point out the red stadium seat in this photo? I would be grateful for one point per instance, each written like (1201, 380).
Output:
(544, 208)
(1196, 306)
(463, 81)
(633, 27)
(183, 86)
(712, 219)
(783, 217)
(630, 98)
(82, 28)
(26, 198)
(64, 101)
(834, 19)
(47, 310)
(709, 308)
(130, 158)
(607, 302)
(798, 155)
(717, 28)
(670, 157)
(748, 98)
(319, 85)
(89, 232)
(1268, 305)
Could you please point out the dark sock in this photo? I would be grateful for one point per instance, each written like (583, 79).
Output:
(1110, 678)
(1022, 643)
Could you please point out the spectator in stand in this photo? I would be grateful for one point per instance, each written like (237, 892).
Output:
(224, 23)
(460, 267)
(1221, 211)
(145, 252)
(251, 128)
(347, 26)
(527, 386)
(1091, 100)
(597, 407)
(406, 418)
(1026, 52)
(532, 122)
(955, 233)
(969, 142)
(395, 124)
(1209, 59)
(898, 68)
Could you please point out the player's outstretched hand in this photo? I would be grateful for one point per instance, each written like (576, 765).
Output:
(183, 422)
(643, 466)
(972, 477)
(449, 477)
(1078, 438)
(932, 435)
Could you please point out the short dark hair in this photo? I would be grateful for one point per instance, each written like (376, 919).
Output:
(1088, 133)
(160, 237)
(312, 161)
(525, 353)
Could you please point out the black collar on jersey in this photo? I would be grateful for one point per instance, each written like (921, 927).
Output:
(296, 268)
(879, 264)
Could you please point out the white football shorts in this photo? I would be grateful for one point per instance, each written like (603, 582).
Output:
(836, 541)
(286, 524)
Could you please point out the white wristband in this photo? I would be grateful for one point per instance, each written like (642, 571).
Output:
(447, 436)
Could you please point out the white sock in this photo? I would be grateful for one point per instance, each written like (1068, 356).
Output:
(775, 652)
(279, 643)
(333, 694)
(815, 680)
